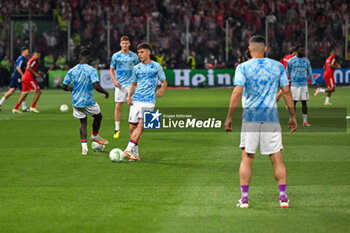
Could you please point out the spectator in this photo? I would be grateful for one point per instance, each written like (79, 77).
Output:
(61, 63)
(191, 61)
(5, 72)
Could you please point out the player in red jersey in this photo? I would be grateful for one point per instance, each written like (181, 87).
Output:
(29, 84)
(328, 75)
(284, 62)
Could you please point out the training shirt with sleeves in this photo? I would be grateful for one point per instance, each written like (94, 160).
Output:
(123, 64)
(146, 76)
(328, 73)
(83, 76)
(22, 63)
(261, 79)
(299, 69)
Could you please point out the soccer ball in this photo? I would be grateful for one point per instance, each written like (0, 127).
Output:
(64, 108)
(97, 147)
(116, 155)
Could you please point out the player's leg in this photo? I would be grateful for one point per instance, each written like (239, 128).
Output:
(132, 127)
(117, 116)
(96, 124)
(132, 150)
(24, 106)
(21, 98)
(279, 94)
(7, 95)
(36, 98)
(280, 173)
(304, 110)
(83, 135)
(330, 89)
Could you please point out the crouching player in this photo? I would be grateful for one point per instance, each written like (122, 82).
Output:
(142, 94)
(85, 79)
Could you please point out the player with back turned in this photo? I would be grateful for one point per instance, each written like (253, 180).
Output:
(85, 79)
(261, 78)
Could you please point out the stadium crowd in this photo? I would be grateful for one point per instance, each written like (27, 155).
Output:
(168, 26)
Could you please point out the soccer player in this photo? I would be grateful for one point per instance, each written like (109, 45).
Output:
(85, 79)
(122, 61)
(284, 61)
(328, 75)
(143, 91)
(29, 84)
(261, 77)
(299, 68)
(16, 78)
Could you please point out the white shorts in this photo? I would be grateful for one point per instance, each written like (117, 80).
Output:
(300, 93)
(268, 135)
(137, 110)
(81, 113)
(121, 94)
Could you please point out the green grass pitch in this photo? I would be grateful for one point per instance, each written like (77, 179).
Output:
(186, 182)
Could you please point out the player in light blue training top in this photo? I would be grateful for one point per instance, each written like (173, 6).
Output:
(122, 61)
(261, 78)
(143, 92)
(84, 78)
(299, 69)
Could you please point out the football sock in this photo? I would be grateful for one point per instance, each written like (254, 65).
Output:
(283, 191)
(34, 103)
(327, 99)
(24, 106)
(94, 135)
(117, 124)
(131, 145)
(304, 118)
(2, 100)
(17, 105)
(84, 144)
(244, 190)
(322, 90)
(136, 150)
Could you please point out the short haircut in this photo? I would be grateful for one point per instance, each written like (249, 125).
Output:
(124, 38)
(299, 46)
(84, 53)
(247, 54)
(292, 49)
(24, 48)
(36, 51)
(257, 39)
(144, 46)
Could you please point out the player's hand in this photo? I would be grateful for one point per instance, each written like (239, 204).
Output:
(116, 83)
(160, 93)
(106, 95)
(129, 101)
(228, 125)
(292, 124)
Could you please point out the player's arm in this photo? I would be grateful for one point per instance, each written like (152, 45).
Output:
(18, 68)
(161, 90)
(98, 88)
(131, 92)
(67, 88)
(32, 71)
(234, 102)
(309, 73)
(111, 73)
(287, 95)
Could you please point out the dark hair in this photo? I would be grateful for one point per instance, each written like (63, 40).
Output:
(144, 46)
(257, 39)
(298, 47)
(84, 53)
(247, 54)
(292, 49)
(24, 48)
(36, 51)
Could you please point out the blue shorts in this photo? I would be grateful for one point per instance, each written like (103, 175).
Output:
(16, 82)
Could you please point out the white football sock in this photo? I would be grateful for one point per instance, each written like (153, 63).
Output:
(130, 146)
(24, 106)
(304, 118)
(117, 124)
(84, 146)
(136, 150)
(94, 136)
(2, 100)
(322, 90)
(327, 99)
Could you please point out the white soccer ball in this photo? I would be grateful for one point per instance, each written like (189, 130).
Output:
(64, 108)
(97, 147)
(116, 155)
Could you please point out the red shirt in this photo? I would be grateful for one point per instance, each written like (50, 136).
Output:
(285, 60)
(32, 63)
(330, 71)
